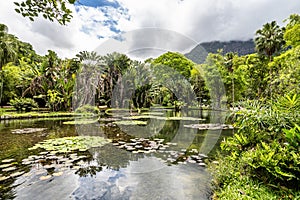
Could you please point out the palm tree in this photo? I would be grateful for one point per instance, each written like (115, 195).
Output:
(269, 39)
(115, 65)
(268, 42)
(8, 46)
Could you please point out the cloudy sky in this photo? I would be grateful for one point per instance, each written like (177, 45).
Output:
(95, 21)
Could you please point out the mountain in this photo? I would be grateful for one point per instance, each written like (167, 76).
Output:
(199, 53)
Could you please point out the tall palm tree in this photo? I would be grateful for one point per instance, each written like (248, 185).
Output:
(269, 39)
(268, 42)
(8, 46)
(115, 65)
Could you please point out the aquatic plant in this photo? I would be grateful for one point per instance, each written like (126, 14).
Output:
(130, 122)
(68, 144)
(80, 122)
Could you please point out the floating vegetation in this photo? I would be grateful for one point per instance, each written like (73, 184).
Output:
(209, 126)
(3, 178)
(9, 169)
(153, 113)
(57, 173)
(130, 122)
(69, 144)
(27, 130)
(7, 160)
(163, 118)
(79, 122)
(6, 165)
(113, 111)
(185, 118)
(161, 149)
(135, 117)
(16, 174)
(43, 178)
(142, 145)
(111, 119)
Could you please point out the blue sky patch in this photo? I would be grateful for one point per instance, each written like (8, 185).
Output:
(98, 3)
(107, 8)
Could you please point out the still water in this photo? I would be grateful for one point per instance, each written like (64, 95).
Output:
(150, 156)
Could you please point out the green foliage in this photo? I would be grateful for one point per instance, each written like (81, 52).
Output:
(267, 141)
(287, 72)
(88, 109)
(237, 183)
(50, 9)
(269, 39)
(293, 138)
(292, 33)
(176, 61)
(55, 100)
(23, 104)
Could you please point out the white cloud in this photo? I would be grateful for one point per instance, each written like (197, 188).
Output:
(208, 20)
(67, 41)
(203, 20)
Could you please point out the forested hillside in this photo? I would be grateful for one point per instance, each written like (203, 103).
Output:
(199, 53)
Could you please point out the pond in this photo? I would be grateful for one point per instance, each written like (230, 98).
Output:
(149, 155)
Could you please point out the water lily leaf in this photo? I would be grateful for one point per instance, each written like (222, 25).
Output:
(57, 174)
(16, 174)
(9, 169)
(3, 178)
(8, 160)
(69, 144)
(6, 165)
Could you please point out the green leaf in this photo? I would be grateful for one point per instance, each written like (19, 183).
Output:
(17, 10)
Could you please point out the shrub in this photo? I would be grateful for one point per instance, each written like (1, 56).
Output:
(23, 104)
(267, 141)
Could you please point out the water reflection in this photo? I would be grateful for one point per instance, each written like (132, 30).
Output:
(127, 168)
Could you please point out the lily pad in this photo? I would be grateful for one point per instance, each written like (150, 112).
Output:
(27, 130)
(3, 178)
(43, 178)
(8, 160)
(16, 174)
(57, 174)
(81, 122)
(130, 122)
(209, 126)
(9, 169)
(69, 144)
(6, 165)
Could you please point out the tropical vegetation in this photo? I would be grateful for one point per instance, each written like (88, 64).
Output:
(259, 161)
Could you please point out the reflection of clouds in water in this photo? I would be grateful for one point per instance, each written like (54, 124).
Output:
(103, 186)
(169, 182)
(139, 181)
(58, 188)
